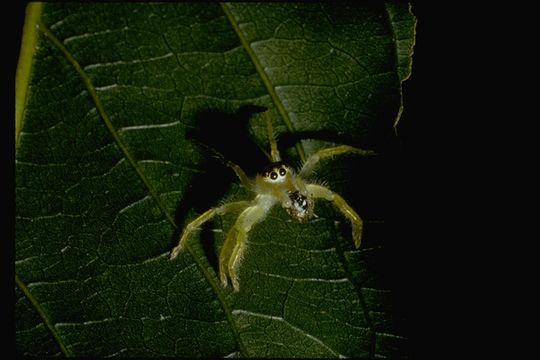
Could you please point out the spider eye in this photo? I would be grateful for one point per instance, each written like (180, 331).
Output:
(282, 172)
(273, 175)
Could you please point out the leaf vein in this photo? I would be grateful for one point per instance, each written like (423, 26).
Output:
(87, 35)
(150, 126)
(52, 329)
(130, 62)
(104, 115)
(302, 279)
(264, 77)
(297, 329)
(340, 251)
(90, 87)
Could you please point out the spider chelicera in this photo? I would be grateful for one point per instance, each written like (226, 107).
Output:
(278, 183)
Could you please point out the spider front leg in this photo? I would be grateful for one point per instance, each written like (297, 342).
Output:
(318, 191)
(233, 249)
(204, 217)
(314, 159)
(244, 180)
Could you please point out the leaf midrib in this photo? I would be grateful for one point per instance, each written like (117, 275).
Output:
(123, 147)
(340, 251)
(264, 78)
(106, 119)
(42, 314)
(301, 153)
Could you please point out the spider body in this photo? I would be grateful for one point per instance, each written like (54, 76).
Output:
(278, 183)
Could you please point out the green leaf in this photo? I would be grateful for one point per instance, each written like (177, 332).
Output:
(113, 103)
(403, 26)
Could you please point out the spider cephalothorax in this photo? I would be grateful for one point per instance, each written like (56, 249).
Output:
(280, 181)
(277, 183)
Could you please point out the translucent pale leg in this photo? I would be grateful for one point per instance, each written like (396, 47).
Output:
(204, 217)
(241, 174)
(237, 169)
(233, 249)
(274, 152)
(312, 161)
(231, 256)
(318, 191)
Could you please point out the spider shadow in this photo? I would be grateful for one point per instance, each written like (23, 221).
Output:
(222, 136)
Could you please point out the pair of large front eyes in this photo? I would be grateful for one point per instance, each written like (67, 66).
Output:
(274, 174)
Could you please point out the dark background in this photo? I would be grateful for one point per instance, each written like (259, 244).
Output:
(422, 288)
(438, 283)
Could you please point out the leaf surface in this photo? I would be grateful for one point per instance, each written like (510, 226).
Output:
(116, 100)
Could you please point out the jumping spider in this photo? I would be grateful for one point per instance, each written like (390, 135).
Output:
(278, 183)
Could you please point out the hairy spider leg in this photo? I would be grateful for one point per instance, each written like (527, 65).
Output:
(318, 191)
(233, 249)
(204, 217)
(244, 179)
(314, 159)
(274, 152)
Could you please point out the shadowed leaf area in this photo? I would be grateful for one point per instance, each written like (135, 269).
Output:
(126, 109)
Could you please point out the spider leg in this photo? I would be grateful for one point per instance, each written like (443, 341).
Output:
(314, 159)
(233, 249)
(318, 191)
(204, 217)
(274, 152)
(244, 179)
(231, 255)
